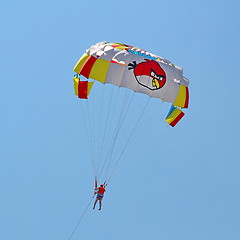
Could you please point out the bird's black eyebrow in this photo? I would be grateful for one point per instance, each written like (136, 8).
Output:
(159, 75)
(153, 71)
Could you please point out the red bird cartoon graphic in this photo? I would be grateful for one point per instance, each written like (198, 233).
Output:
(149, 74)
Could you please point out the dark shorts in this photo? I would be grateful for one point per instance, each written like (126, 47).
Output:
(99, 196)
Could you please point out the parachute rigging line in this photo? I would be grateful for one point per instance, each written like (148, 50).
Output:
(80, 219)
(120, 125)
(129, 138)
(122, 116)
(104, 133)
(142, 148)
(115, 133)
(90, 145)
(99, 142)
(123, 113)
(91, 132)
(153, 136)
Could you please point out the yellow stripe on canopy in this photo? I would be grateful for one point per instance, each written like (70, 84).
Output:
(80, 63)
(99, 70)
(90, 84)
(181, 97)
(75, 82)
(174, 114)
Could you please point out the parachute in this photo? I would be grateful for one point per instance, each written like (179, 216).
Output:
(131, 68)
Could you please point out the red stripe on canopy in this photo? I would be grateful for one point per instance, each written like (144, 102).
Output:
(177, 119)
(83, 89)
(187, 98)
(87, 66)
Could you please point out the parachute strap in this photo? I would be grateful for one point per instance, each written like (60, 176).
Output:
(96, 183)
(105, 184)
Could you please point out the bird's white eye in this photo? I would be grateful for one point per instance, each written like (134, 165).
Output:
(153, 74)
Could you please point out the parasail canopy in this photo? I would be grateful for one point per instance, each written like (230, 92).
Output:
(136, 69)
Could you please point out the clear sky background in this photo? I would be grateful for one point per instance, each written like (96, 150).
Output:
(188, 188)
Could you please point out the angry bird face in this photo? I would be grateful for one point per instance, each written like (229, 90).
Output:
(149, 74)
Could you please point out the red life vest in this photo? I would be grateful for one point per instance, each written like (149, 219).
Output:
(101, 190)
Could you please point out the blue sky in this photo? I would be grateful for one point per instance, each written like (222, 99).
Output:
(186, 189)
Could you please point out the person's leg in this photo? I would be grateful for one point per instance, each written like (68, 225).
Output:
(100, 203)
(95, 203)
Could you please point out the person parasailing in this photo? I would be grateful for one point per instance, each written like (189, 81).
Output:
(100, 193)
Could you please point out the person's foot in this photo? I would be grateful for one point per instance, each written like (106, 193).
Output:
(93, 207)
(99, 209)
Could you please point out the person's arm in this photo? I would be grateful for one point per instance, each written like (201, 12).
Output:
(95, 190)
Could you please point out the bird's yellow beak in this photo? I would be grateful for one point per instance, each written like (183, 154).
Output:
(155, 83)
